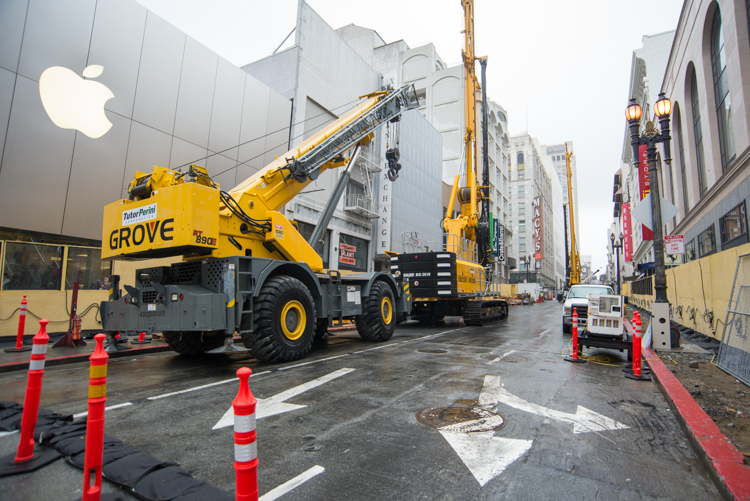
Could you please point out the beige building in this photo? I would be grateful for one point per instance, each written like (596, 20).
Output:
(708, 80)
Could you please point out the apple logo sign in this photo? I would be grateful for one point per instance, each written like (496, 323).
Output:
(74, 103)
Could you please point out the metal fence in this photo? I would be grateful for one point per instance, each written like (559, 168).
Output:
(734, 351)
(644, 286)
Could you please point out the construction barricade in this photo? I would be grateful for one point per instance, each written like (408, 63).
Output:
(245, 449)
(28, 457)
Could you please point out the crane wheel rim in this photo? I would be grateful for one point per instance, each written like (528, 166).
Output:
(386, 310)
(293, 320)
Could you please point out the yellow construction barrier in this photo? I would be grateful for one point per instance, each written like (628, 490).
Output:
(698, 291)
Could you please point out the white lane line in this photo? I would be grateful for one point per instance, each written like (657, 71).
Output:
(363, 351)
(428, 337)
(202, 387)
(403, 342)
(501, 357)
(3, 433)
(291, 484)
(312, 362)
(111, 407)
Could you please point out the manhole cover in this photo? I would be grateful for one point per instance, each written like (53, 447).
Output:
(427, 350)
(459, 417)
(514, 359)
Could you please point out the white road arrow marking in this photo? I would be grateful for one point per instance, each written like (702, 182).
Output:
(291, 484)
(501, 357)
(484, 455)
(276, 404)
(583, 421)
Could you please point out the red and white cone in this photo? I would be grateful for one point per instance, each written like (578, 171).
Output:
(92, 461)
(637, 374)
(574, 356)
(21, 326)
(28, 457)
(245, 449)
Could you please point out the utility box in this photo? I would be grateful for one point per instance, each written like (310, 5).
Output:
(605, 315)
(661, 338)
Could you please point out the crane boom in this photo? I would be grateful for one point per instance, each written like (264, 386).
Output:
(575, 261)
(198, 219)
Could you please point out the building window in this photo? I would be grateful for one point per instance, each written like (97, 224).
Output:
(707, 242)
(32, 266)
(733, 225)
(355, 189)
(521, 208)
(521, 225)
(85, 266)
(683, 172)
(521, 192)
(698, 134)
(721, 91)
(690, 251)
(519, 160)
(352, 253)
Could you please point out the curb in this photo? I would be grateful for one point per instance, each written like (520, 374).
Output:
(724, 463)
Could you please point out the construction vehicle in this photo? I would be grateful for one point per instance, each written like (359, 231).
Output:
(459, 280)
(245, 267)
(574, 260)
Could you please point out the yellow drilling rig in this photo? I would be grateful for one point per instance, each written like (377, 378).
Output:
(459, 281)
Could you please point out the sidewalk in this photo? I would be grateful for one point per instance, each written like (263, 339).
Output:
(724, 463)
(10, 362)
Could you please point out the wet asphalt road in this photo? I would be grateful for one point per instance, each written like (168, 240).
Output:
(570, 431)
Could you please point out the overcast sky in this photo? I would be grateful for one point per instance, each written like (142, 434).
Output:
(560, 68)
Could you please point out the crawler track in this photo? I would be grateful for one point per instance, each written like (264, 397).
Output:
(484, 312)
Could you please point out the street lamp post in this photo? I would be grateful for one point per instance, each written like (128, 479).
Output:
(527, 261)
(651, 136)
(616, 249)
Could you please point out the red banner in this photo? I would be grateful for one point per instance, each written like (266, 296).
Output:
(627, 244)
(645, 185)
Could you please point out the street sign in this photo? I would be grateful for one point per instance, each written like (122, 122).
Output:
(674, 244)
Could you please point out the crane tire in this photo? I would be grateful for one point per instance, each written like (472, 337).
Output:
(283, 321)
(191, 343)
(378, 319)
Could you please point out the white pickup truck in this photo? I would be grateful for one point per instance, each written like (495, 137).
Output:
(578, 297)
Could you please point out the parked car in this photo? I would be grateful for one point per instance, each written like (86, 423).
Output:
(578, 297)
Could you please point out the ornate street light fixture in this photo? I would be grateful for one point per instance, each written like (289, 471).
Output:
(616, 249)
(651, 136)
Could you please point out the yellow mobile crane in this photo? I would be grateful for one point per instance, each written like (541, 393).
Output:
(458, 281)
(245, 266)
(575, 261)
